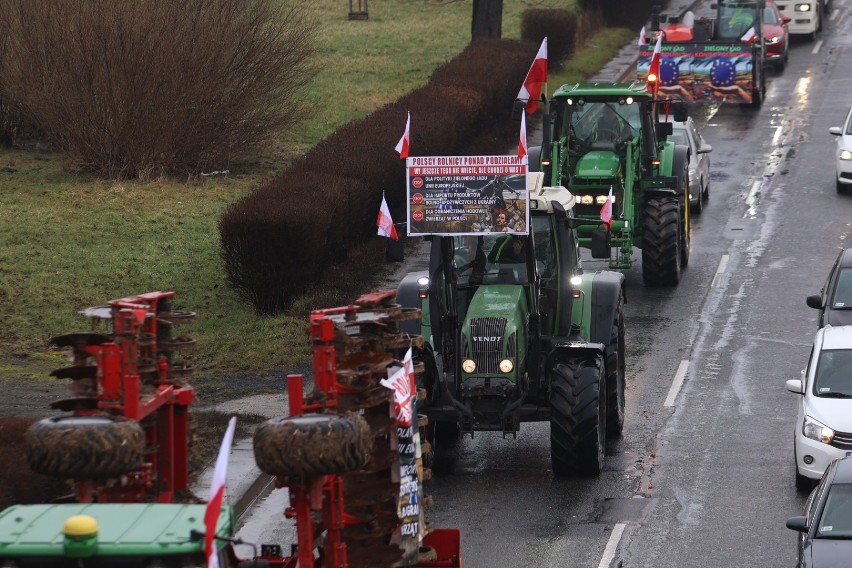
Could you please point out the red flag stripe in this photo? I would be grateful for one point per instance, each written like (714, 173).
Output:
(535, 79)
(402, 145)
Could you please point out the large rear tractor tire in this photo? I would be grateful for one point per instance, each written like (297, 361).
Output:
(312, 444)
(661, 242)
(85, 447)
(578, 417)
(615, 381)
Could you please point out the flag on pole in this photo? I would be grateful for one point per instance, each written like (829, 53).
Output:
(385, 223)
(749, 35)
(606, 210)
(402, 145)
(642, 39)
(217, 494)
(404, 387)
(535, 79)
(522, 140)
(654, 69)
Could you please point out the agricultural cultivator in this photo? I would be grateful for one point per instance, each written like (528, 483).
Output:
(349, 453)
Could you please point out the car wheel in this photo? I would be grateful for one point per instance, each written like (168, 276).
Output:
(705, 195)
(803, 484)
(841, 188)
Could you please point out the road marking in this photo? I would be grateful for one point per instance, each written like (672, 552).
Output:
(817, 46)
(778, 130)
(612, 545)
(676, 384)
(723, 266)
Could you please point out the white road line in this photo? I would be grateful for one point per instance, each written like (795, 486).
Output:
(612, 545)
(676, 384)
(778, 130)
(817, 46)
(717, 278)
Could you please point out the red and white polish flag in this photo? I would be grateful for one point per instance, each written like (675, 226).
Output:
(217, 494)
(642, 39)
(402, 145)
(535, 79)
(385, 223)
(654, 69)
(522, 140)
(606, 210)
(749, 35)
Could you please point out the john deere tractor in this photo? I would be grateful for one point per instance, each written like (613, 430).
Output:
(516, 332)
(609, 139)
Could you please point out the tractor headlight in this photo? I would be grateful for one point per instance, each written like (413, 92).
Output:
(601, 199)
(506, 366)
(468, 366)
(817, 431)
(587, 199)
(576, 281)
(845, 155)
(803, 7)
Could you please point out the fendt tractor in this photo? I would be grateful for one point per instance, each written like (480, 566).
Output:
(719, 59)
(349, 458)
(602, 139)
(516, 332)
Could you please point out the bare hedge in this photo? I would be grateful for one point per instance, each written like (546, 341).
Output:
(284, 235)
(146, 87)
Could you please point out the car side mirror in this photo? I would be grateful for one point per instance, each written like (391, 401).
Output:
(705, 149)
(794, 386)
(798, 524)
(835, 130)
(786, 20)
(814, 301)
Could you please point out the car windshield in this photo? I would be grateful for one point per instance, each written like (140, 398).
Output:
(836, 518)
(849, 124)
(834, 374)
(678, 136)
(842, 299)
(769, 16)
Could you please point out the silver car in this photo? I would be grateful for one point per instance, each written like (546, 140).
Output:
(686, 134)
(843, 154)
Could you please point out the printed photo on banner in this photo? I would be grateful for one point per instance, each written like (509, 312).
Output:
(466, 195)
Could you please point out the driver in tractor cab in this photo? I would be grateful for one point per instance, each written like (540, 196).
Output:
(736, 21)
(508, 249)
(611, 128)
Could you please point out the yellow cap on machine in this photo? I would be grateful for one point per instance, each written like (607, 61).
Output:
(81, 536)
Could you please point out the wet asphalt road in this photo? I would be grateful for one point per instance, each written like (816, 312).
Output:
(703, 475)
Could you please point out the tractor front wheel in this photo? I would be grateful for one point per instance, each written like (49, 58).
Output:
(661, 242)
(312, 444)
(578, 411)
(85, 447)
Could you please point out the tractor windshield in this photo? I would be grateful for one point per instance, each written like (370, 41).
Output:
(736, 18)
(604, 123)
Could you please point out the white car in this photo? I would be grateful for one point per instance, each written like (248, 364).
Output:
(843, 155)
(823, 430)
(686, 134)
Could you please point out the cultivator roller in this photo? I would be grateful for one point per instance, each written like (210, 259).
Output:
(128, 435)
(370, 513)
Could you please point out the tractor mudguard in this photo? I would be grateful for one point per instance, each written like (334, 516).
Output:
(568, 349)
(607, 288)
(680, 165)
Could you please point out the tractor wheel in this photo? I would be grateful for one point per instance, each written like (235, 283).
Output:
(577, 417)
(85, 447)
(615, 382)
(312, 444)
(661, 241)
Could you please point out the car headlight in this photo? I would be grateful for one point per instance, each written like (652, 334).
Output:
(773, 40)
(817, 431)
(845, 155)
(803, 7)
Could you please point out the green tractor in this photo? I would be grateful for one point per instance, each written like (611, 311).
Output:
(516, 332)
(607, 139)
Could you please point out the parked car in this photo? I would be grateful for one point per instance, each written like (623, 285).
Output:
(834, 301)
(687, 134)
(843, 155)
(776, 36)
(825, 529)
(823, 430)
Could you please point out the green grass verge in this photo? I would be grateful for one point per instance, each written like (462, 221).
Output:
(70, 241)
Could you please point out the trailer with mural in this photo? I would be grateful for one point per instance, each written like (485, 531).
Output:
(718, 59)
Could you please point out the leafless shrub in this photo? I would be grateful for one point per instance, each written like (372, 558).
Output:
(145, 87)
